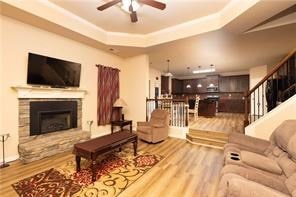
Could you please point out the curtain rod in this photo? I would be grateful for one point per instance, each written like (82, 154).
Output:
(97, 65)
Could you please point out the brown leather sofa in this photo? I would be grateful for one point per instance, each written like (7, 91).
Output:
(156, 129)
(256, 167)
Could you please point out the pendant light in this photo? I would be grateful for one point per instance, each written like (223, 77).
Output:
(168, 74)
(199, 84)
(188, 85)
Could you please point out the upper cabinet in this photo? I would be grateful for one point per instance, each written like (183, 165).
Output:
(202, 84)
(189, 86)
(164, 85)
(177, 86)
(194, 86)
(227, 84)
(234, 83)
(212, 80)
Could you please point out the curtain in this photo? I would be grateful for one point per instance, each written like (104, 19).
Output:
(108, 92)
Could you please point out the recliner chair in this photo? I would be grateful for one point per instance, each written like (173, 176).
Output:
(156, 129)
(265, 168)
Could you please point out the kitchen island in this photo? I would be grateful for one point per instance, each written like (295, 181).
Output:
(207, 108)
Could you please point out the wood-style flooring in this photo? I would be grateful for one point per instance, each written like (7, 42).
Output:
(222, 122)
(187, 170)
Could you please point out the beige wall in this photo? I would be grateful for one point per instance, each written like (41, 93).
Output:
(1, 78)
(153, 74)
(264, 127)
(17, 40)
(135, 87)
(256, 74)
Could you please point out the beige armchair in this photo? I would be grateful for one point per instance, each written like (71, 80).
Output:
(156, 129)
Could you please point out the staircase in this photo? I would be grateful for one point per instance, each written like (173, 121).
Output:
(275, 88)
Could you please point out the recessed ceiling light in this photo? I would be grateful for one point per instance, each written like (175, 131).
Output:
(113, 50)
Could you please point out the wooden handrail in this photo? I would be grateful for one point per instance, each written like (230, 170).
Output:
(275, 69)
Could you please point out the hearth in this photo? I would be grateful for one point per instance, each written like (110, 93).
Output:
(52, 116)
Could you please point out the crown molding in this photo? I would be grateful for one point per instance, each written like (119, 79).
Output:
(50, 12)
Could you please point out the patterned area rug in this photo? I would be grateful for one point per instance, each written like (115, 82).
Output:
(114, 173)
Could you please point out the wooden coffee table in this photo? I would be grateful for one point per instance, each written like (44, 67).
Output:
(91, 149)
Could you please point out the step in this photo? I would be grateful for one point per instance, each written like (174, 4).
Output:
(209, 134)
(207, 138)
(206, 141)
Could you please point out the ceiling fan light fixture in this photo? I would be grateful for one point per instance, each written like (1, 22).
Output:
(126, 5)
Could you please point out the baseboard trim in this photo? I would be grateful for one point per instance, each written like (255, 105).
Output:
(99, 135)
(10, 158)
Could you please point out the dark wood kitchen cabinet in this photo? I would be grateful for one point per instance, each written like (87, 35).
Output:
(224, 84)
(193, 86)
(234, 83)
(177, 86)
(203, 82)
(231, 105)
(212, 79)
(189, 86)
(164, 85)
(207, 108)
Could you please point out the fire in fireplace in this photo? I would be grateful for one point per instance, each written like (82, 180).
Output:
(51, 116)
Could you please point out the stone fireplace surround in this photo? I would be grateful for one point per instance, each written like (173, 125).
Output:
(36, 147)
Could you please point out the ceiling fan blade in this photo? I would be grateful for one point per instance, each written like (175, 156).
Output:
(134, 17)
(107, 5)
(155, 4)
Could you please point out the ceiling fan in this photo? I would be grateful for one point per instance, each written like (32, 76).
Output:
(132, 5)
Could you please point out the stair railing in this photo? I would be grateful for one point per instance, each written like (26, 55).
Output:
(271, 90)
(177, 108)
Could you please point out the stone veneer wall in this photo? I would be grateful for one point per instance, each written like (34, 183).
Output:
(33, 148)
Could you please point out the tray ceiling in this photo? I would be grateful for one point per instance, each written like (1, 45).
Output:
(114, 19)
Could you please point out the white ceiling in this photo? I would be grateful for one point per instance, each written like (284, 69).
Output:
(228, 46)
(114, 19)
(225, 50)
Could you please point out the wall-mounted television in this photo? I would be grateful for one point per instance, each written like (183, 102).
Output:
(48, 71)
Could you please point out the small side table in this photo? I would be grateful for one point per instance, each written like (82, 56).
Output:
(122, 123)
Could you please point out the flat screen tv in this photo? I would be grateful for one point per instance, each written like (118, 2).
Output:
(43, 70)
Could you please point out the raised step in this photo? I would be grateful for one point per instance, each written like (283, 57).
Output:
(205, 142)
(208, 134)
(207, 138)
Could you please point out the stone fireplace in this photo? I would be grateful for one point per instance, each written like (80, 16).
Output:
(48, 124)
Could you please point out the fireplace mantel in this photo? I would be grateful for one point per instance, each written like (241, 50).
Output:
(47, 92)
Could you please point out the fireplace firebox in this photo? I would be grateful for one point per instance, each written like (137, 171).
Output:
(52, 116)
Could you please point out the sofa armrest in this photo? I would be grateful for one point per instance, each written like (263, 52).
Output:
(250, 189)
(252, 143)
(143, 124)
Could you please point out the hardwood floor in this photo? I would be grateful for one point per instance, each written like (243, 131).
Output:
(187, 170)
(222, 122)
